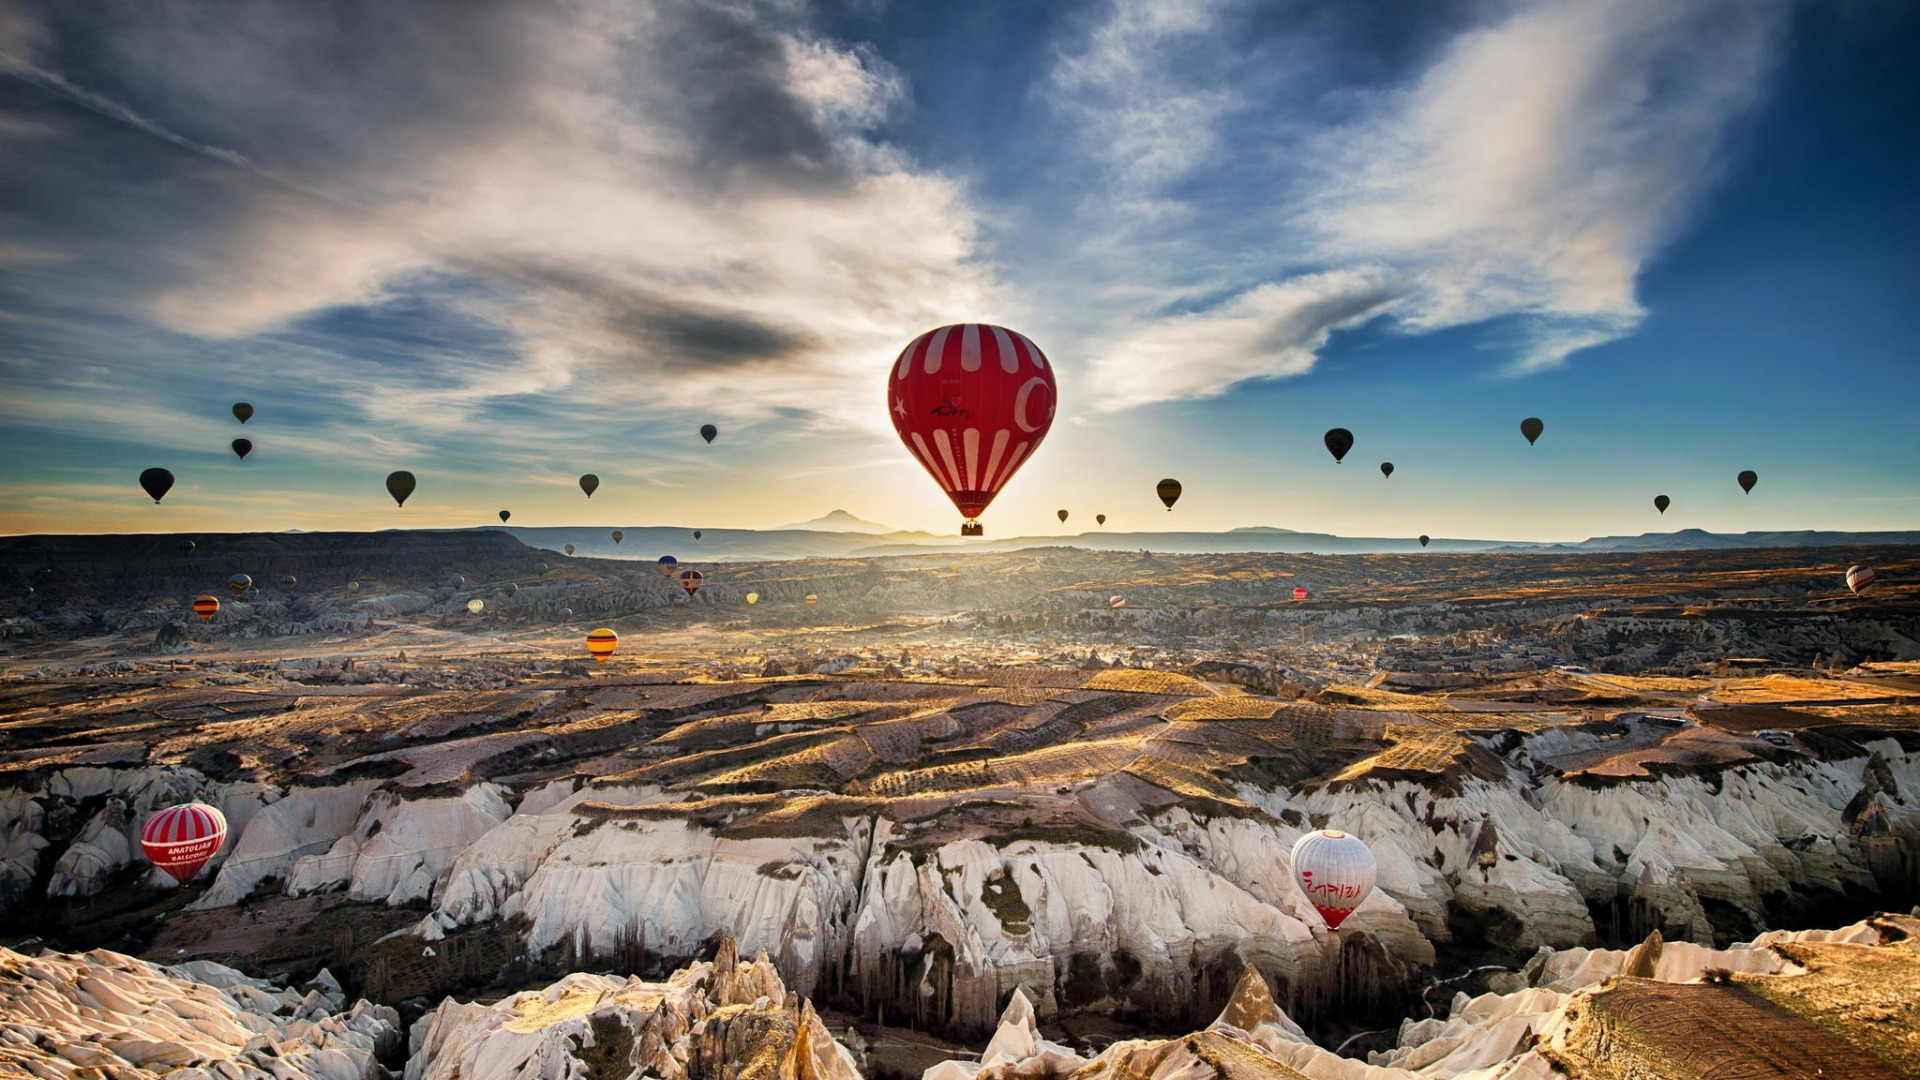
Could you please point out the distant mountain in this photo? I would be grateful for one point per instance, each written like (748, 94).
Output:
(1697, 539)
(840, 521)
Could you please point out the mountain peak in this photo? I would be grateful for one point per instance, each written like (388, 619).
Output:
(841, 521)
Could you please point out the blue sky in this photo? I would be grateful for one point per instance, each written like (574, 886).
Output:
(504, 246)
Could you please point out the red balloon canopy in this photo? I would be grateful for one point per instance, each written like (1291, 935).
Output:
(180, 839)
(971, 402)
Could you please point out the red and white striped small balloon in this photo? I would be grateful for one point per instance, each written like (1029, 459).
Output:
(180, 839)
(1859, 577)
(1335, 871)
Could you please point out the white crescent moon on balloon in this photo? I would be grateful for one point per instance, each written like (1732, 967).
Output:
(1020, 404)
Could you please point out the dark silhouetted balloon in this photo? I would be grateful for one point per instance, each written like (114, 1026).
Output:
(1099, 519)
(288, 581)
(1339, 441)
(589, 483)
(709, 432)
(1063, 514)
(1531, 427)
(353, 586)
(618, 536)
(696, 534)
(186, 547)
(1424, 538)
(457, 581)
(539, 568)
(569, 549)
(242, 447)
(504, 515)
(510, 589)
(400, 485)
(1748, 478)
(243, 412)
(1169, 491)
(566, 614)
(1661, 502)
(1386, 469)
(971, 403)
(156, 483)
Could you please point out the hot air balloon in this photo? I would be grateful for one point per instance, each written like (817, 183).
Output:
(1423, 539)
(239, 584)
(1386, 469)
(601, 643)
(569, 549)
(1099, 519)
(709, 432)
(812, 599)
(206, 607)
(1169, 491)
(618, 536)
(1859, 577)
(510, 589)
(504, 515)
(457, 580)
(288, 581)
(156, 483)
(753, 598)
(1063, 514)
(696, 534)
(1531, 427)
(353, 586)
(400, 485)
(667, 564)
(242, 447)
(588, 483)
(1747, 479)
(242, 412)
(971, 402)
(1661, 502)
(539, 568)
(566, 614)
(691, 580)
(1116, 601)
(1299, 592)
(186, 547)
(476, 606)
(1339, 440)
(1335, 871)
(181, 839)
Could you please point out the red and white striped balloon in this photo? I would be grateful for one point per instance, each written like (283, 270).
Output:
(971, 402)
(180, 839)
(1335, 871)
(1859, 577)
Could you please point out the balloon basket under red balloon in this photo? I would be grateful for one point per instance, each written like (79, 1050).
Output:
(972, 528)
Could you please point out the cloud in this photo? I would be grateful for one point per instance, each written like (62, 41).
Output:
(1529, 169)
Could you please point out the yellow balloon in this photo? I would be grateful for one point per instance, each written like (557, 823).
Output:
(601, 643)
(753, 598)
(476, 606)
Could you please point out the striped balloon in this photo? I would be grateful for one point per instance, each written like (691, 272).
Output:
(601, 643)
(1299, 592)
(971, 402)
(1116, 601)
(180, 839)
(1335, 871)
(1859, 577)
(206, 607)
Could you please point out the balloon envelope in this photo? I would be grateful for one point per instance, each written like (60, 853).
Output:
(186, 547)
(566, 614)
(180, 839)
(601, 643)
(1116, 601)
(242, 447)
(1335, 871)
(1531, 427)
(691, 580)
(476, 606)
(289, 581)
(539, 568)
(1168, 490)
(696, 534)
(1339, 440)
(457, 580)
(1386, 469)
(504, 515)
(1423, 539)
(1299, 592)
(206, 607)
(239, 583)
(1859, 577)
(812, 599)
(569, 549)
(1099, 519)
(1747, 479)
(753, 598)
(156, 483)
(971, 402)
(1062, 513)
(511, 589)
(400, 485)
(353, 586)
(618, 536)
(242, 412)
(1661, 502)
(709, 432)
(588, 483)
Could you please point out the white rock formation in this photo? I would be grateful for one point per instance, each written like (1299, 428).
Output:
(716, 1020)
(101, 1014)
(399, 848)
